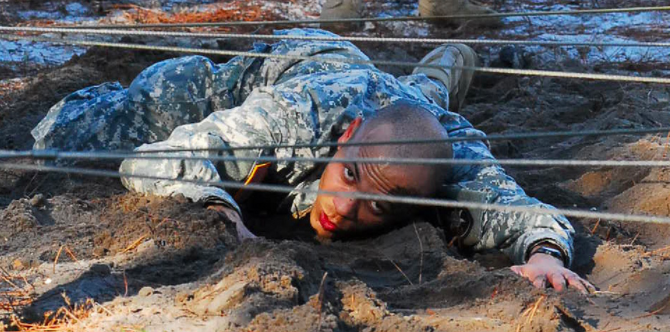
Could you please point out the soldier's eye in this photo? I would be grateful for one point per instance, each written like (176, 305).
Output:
(376, 208)
(348, 175)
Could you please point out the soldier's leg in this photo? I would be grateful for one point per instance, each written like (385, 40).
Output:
(428, 8)
(81, 121)
(162, 97)
(186, 90)
(446, 86)
(179, 91)
(275, 71)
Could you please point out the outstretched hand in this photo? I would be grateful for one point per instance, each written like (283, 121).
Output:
(242, 231)
(542, 268)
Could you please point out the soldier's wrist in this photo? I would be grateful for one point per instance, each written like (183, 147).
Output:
(548, 249)
(232, 214)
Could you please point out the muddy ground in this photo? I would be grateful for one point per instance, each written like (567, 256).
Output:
(157, 264)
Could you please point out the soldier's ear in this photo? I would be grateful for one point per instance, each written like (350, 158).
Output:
(349, 133)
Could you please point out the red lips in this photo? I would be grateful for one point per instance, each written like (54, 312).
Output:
(326, 223)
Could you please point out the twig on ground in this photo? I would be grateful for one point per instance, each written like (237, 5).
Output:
(521, 324)
(71, 254)
(399, 269)
(135, 244)
(421, 249)
(612, 329)
(125, 284)
(320, 300)
(451, 243)
(537, 305)
(5, 276)
(595, 227)
(634, 238)
(38, 185)
(655, 311)
(57, 256)
(25, 189)
(657, 251)
(103, 308)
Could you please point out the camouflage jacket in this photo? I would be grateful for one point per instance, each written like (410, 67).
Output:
(192, 103)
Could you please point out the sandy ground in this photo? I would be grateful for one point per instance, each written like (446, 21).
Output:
(154, 264)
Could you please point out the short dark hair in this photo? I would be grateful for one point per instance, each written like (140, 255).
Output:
(409, 121)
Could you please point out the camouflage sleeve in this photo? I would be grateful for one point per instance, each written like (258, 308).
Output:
(515, 233)
(260, 120)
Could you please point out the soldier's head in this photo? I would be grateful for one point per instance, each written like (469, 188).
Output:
(342, 216)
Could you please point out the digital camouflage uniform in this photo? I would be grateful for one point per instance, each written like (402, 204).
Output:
(192, 103)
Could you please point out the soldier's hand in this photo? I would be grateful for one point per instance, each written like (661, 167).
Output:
(242, 231)
(543, 270)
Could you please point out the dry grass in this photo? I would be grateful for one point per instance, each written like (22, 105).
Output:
(15, 291)
(64, 319)
(67, 318)
(529, 314)
(661, 251)
(243, 12)
(237, 10)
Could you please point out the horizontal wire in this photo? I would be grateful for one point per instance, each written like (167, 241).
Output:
(355, 195)
(501, 137)
(65, 155)
(333, 39)
(505, 71)
(383, 19)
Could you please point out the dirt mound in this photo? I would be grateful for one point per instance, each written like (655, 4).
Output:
(291, 285)
(129, 220)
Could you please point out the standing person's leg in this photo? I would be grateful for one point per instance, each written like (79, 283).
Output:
(446, 86)
(166, 95)
(428, 8)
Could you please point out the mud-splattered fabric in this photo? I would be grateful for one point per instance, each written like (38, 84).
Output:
(192, 103)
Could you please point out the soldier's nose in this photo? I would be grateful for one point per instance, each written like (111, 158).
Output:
(345, 207)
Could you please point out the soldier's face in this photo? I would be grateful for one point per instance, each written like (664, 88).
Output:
(334, 216)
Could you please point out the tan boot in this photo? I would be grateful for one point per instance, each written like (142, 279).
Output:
(458, 7)
(337, 9)
(456, 81)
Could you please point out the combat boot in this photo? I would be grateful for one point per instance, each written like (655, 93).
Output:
(339, 9)
(457, 81)
(458, 7)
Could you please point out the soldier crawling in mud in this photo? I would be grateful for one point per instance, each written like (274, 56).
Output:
(192, 103)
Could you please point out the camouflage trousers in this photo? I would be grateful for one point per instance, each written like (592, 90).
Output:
(181, 91)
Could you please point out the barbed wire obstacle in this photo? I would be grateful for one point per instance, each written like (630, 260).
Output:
(380, 19)
(499, 137)
(330, 38)
(96, 155)
(504, 71)
(356, 195)
(420, 201)
(52, 154)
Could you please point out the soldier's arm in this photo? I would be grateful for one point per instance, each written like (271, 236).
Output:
(515, 233)
(260, 120)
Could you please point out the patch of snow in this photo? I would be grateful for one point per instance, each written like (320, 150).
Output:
(76, 9)
(73, 12)
(173, 5)
(402, 28)
(591, 28)
(38, 15)
(300, 10)
(36, 52)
